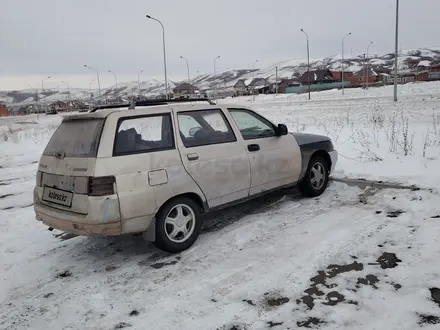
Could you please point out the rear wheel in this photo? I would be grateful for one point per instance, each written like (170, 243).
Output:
(316, 178)
(178, 224)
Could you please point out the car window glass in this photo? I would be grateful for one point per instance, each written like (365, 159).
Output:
(204, 127)
(251, 125)
(187, 125)
(144, 134)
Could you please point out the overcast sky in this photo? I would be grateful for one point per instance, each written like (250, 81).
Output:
(56, 38)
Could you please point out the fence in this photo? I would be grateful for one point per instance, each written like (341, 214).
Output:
(317, 87)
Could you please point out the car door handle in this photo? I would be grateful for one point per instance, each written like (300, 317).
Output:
(253, 147)
(192, 156)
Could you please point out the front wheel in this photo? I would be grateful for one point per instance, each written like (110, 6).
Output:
(315, 181)
(178, 224)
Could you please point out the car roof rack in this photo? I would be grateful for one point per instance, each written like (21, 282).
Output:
(149, 103)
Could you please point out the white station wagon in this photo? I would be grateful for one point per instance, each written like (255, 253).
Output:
(157, 168)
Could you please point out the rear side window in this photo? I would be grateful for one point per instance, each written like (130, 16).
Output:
(76, 138)
(143, 134)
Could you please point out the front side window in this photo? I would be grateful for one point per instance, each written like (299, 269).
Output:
(251, 125)
(204, 127)
(144, 134)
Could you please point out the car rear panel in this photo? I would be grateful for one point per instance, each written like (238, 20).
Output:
(64, 196)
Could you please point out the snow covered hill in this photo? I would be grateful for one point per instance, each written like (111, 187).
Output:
(228, 78)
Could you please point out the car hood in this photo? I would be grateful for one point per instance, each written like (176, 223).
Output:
(304, 138)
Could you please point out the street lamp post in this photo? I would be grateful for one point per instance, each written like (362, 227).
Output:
(215, 76)
(187, 68)
(97, 76)
(253, 74)
(42, 85)
(342, 75)
(396, 60)
(90, 88)
(68, 89)
(116, 81)
(367, 65)
(164, 54)
(139, 82)
(308, 60)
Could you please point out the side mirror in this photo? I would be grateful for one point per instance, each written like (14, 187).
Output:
(282, 130)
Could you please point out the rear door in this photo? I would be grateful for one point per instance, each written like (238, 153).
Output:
(213, 156)
(275, 160)
(67, 163)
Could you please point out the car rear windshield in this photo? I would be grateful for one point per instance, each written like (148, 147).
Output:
(75, 138)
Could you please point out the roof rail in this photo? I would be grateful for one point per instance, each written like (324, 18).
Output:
(149, 103)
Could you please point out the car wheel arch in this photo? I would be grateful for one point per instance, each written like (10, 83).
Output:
(324, 154)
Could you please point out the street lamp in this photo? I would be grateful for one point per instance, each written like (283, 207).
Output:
(97, 76)
(215, 76)
(42, 83)
(187, 68)
(253, 74)
(366, 65)
(308, 60)
(396, 60)
(164, 54)
(342, 75)
(139, 82)
(68, 88)
(116, 78)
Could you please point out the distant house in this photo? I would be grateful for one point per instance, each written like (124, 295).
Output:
(4, 110)
(364, 76)
(320, 76)
(185, 88)
(338, 75)
(286, 82)
(423, 66)
(240, 87)
(58, 106)
(259, 85)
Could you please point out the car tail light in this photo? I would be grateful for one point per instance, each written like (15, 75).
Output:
(39, 178)
(101, 186)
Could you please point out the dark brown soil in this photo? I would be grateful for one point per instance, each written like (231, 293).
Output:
(368, 280)
(332, 271)
(309, 323)
(428, 319)
(388, 260)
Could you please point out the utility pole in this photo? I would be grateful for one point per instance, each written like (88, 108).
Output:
(139, 81)
(342, 75)
(187, 68)
(69, 99)
(396, 61)
(116, 82)
(215, 77)
(308, 60)
(276, 81)
(367, 64)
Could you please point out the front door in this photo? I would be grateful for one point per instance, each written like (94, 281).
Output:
(275, 160)
(213, 157)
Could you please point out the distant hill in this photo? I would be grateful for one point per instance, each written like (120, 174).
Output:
(227, 78)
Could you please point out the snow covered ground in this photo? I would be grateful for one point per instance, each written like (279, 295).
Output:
(350, 259)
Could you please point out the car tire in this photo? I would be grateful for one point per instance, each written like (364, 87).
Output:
(315, 181)
(178, 225)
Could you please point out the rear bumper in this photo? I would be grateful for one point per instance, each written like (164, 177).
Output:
(106, 229)
(334, 158)
(102, 218)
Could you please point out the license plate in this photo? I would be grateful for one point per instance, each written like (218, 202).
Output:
(57, 196)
